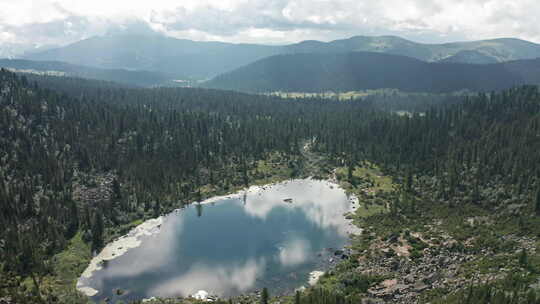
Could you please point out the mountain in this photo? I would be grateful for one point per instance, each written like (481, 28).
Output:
(179, 57)
(55, 68)
(195, 59)
(497, 50)
(365, 70)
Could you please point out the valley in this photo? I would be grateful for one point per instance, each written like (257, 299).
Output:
(204, 152)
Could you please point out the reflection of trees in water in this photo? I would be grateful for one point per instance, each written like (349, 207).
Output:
(199, 208)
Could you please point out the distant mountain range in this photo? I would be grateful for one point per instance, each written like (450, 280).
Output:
(178, 57)
(498, 50)
(368, 70)
(56, 68)
(15, 50)
(182, 58)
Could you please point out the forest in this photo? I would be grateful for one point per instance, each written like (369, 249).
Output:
(84, 159)
(312, 72)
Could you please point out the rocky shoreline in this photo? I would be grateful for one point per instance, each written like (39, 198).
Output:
(116, 249)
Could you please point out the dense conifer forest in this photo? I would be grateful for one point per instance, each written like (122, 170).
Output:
(90, 161)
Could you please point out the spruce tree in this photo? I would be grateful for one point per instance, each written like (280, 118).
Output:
(410, 180)
(97, 231)
(264, 296)
(297, 297)
(537, 203)
(523, 258)
(116, 189)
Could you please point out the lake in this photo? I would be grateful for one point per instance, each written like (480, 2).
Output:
(271, 236)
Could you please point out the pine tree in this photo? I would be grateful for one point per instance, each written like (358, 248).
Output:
(297, 297)
(264, 296)
(116, 189)
(410, 180)
(199, 208)
(350, 168)
(157, 208)
(523, 258)
(73, 219)
(537, 203)
(97, 231)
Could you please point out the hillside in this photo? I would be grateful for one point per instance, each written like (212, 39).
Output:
(186, 58)
(469, 56)
(56, 68)
(364, 70)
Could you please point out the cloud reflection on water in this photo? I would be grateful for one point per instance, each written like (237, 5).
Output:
(324, 203)
(214, 279)
(294, 252)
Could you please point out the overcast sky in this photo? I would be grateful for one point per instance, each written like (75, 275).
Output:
(269, 21)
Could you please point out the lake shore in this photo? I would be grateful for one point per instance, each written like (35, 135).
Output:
(133, 239)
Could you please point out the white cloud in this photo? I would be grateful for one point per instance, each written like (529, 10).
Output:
(271, 21)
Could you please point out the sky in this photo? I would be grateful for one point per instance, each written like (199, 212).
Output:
(60, 22)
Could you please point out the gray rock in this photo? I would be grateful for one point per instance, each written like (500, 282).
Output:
(372, 301)
(430, 279)
(419, 287)
(409, 279)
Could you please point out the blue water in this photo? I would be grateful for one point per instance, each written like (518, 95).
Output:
(235, 245)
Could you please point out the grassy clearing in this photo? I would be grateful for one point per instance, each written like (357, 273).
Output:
(70, 263)
(370, 186)
(66, 266)
(328, 95)
(270, 171)
(368, 179)
(351, 95)
(365, 210)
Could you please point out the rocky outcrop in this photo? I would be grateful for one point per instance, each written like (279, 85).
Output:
(440, 266)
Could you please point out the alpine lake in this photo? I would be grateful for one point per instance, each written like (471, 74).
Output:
(275, 236)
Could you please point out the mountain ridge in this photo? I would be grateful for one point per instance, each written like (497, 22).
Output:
(184, 58)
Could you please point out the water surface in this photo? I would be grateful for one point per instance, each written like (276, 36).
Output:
(271, 237)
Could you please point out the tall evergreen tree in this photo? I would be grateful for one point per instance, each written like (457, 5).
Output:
(537, 202)
(97, 231)
(264, 296)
